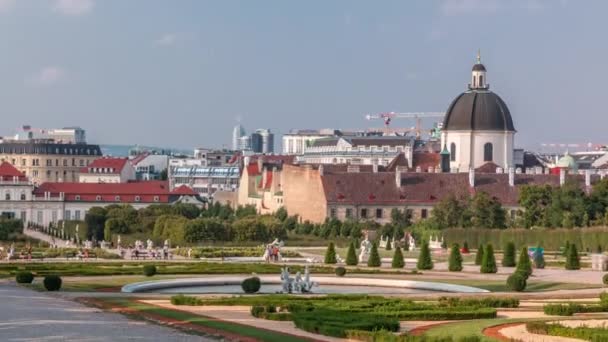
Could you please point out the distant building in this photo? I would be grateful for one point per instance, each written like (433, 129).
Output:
(213, 157)
(237, 132)
(149, 166)
(108, 170)
(262, 141)
(66, 135)
(244, 143)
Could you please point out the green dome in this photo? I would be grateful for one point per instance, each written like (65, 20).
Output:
(567, 161)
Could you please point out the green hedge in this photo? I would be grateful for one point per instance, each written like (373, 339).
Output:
(386, 336)
(571, 308)
(228, 252)
(487, 302)
(554, 329)
(587, 239)
(180, 299)
(336, 323)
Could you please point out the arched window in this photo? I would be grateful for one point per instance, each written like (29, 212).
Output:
(488, 152)
(474, 81)
(452, 152)
(481, 80)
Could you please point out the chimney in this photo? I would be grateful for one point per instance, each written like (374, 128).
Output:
(472, 177)
(375, 167)
(511, 177)
(418, 169)
(321, 170)
(499, 170)
(398, 177)
(588, 179)
(562, 176)
(264, 177)
(430, 169)
(260, 163)
(518, 171)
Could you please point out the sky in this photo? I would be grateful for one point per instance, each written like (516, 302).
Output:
(183, 73)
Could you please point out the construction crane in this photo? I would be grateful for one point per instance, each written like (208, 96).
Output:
(389, 116)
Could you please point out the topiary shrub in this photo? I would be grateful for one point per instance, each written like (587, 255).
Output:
(605, 279)
(52, 282)
(398, 261)
(479, 255)
(149, 270)
(524, 266)
(572, 260)
(330, 254)
(516, 282)
(488, 263)
(566, 248)
(374, 257)
(425, 262)
(508, 257)
(455, 261)
(340, 271)
(24, 277)
(251, 285)
(351, 255)
(389, 245)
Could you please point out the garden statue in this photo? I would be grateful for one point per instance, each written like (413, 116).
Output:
(298, 284)
(435, 243)
(286, 280)
(272, 251)
(383, 242)
(149, 245)
(307, 285)
(118, 242)
(167, 244)
(366, 245)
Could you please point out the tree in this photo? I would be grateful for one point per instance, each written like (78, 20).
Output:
(206, 229)
(425, 262)
(488, 263)
(455, 261)
(281, 214)
(487, 212)
(508, 257)
(448, 213)
(534, 199)
(330, 254)
(389, 245)
(374, 257)
(95, 220)
(163, 175)
(246, 210)
(572, 260)
(479, 255)
(524, 266)
(566, 247)
(517, 282)
(398, 261)
(351, 255)
(400, 218)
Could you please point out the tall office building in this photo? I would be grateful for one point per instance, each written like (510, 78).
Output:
(237, 133)
(262, 141)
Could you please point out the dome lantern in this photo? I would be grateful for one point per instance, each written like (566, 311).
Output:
(478, 75)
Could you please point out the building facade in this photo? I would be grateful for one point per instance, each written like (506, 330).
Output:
(262, 141)
(108, 170)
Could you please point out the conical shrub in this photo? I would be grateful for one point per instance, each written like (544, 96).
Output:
(488, 263)
(524, 266)
(330, 254)
(389, 245)
(572, 260)
(425, 262)
(508, 257)
(398, 261)
(455, 261)
(374, 257)
(479, 255)
(351, 255)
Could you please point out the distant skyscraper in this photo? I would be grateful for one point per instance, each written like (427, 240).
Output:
(262, 141)
(237, 133)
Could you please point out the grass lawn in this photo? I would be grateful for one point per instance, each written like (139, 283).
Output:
(467, 328)
(533, 286)
(242, 330)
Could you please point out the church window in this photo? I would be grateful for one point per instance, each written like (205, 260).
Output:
(487, 152)
(481, 80)
(452, 152)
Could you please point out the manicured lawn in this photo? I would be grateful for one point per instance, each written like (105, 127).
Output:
(467, 328)
(533, 286)
(243, 330)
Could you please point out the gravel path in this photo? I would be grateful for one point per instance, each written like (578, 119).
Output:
(26, 315)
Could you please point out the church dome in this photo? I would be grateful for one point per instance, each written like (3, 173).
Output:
(478, 109)
(479, 67)
(567, 161)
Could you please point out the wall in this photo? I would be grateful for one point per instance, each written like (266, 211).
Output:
(470, 148)
(303, 193)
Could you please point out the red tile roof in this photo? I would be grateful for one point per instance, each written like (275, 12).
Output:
(8, 172)
(107, 192)
(488, 167)
(183, 190)
(117, 164)
(424, 160)
(139, 158)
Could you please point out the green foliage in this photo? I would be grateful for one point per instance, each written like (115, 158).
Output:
(24, 277)
(486, 302)
(251, 285)
(149, 270)
(596, 334)
(508, 258)
(389, 245)
(374, 257)
(455, 260)
(180, 299)
(488, 263)
(10, 228)
(52, 283)
(479, 255)
(487, 212)
(331, 323)
(398, 261)
(572, 259)
(449, 213)
(425, 262)
(330, 254)
(400, 218)
(205, 229)
(517, 282)
(351, 255)
(524, 266)
(340, 271)
(217, 252)
(605, 279)
(281, 214)
(95, 220)
(258, 228)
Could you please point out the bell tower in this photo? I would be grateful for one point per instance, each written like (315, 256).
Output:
(478, 75)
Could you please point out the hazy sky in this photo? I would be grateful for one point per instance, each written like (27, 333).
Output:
(182, 72)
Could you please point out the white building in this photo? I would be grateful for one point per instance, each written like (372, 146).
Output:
(478, 127)
(262, 141)
(66, 135)
(296, 141)
(108, 170)
(149, 166)
(237, 132)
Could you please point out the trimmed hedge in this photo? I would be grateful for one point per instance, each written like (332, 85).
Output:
(517, 282)
(571, 308)
(398, 261)
(488, 263)
(340, 271)
(335, 323)
(330, 254)
(52, 283)
(351, 255)
(508, 258)
(605, 279)
(180, 299)
(455, 260)
(149, 270)
(251, 285)
(24, 277)
(487, 302)
(425, 262)
(599, 334)
(269, 312)
(385, 336)
(374, 257)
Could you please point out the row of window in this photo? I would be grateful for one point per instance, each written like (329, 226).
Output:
(117, 198)
(488, 152)
(7, 196)
(364, 213)
(49, 162)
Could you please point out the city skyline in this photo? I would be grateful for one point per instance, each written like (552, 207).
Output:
(183, 75)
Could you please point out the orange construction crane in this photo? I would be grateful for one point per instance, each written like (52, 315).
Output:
(389, 116)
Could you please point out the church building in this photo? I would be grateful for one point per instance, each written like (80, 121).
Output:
(477, 128)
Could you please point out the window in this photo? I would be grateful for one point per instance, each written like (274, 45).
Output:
(77, 197)
(81, 162)
(54, 216)
(39, 217)
(452, 152)
(424, 213)
(481, 80)
(474, 81)
(7, 196)
(349, 213)
(23, 196)
(48, 174)
(65, 162)
(332, 212)
(67, 215)
(49, 162)
(117, 198)
(137, 199)
(98, 198)
(156, 198)
(487, 152)
(364, 213)
(378, 213)
(77, 215)
(56, 162)
(23, 162)
(23, 216)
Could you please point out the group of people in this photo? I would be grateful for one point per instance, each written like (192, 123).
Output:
(138, 251)
(9, 253)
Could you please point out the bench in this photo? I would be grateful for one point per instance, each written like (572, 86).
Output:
(143, 255)
(70, 255)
